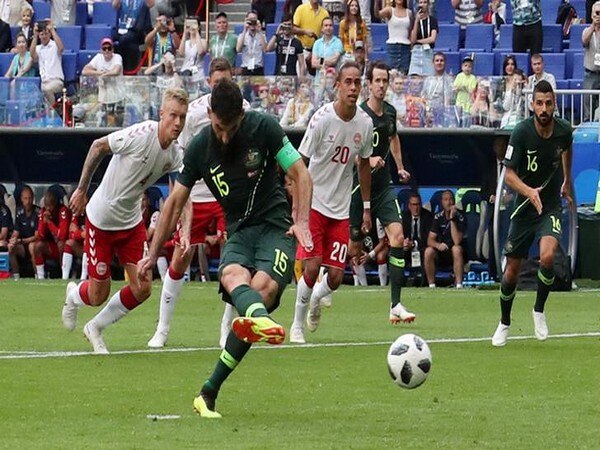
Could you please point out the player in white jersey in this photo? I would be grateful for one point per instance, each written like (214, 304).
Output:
(142, 153)
(339, 135)
(205, 209)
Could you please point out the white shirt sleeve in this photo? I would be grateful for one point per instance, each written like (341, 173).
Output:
(312, 136)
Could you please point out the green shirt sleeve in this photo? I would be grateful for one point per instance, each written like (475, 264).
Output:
(279, 145)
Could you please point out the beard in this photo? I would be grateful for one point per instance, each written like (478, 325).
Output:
(543, 119)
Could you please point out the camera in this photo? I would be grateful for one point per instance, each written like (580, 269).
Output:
(42, 24)
(251, 21)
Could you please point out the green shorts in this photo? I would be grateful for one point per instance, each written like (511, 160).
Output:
(384, 206)
(523, 231)
(263, 247)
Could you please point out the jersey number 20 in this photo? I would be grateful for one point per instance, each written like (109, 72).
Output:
(342, 155)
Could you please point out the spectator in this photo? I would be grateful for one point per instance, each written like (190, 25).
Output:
(415, 102)
(464, 85)
(480, 109)
(252, 45)
(133, 22)
(48, 55)
(5, 39)
(10, 11)
(52, 232)
(74, 247)
(265, 11)
(223, 43)
(298, 109)
(352, 27)
(414, 7)
(107, 66)
(6, 223)
(496, 15)
(423, 36)
(509, 65)
(416, 224)
(444, 241)
(437, 89)
(513, 101)
(22, 64)
(360, 57)
(591, 59)
(25, 25)
(288, 50)
(162, 39)
(466, 12)
(327, 51)
(398, 18)
(63, 12)
(376, 248)
(308, 21)
(528, 32)
(397, 99)
(537, 66)
(191, 49)
(22, 240)
(335, 8)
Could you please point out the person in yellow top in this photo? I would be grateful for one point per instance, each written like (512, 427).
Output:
(465, 84)
(308, 20)
(352, 27)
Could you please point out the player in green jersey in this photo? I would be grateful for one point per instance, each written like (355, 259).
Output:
(538, 168)
(238, 157)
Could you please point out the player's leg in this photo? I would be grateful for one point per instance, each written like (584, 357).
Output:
(67, 259)
(360, 273)
(398, 312)
(15, 253)
(171, 289)
(40, 252)
(430, 256)
(458, 265)
(382, 265)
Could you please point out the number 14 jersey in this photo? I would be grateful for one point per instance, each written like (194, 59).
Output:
(332, 145)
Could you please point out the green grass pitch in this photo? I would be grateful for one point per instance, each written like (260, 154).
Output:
(335, 394)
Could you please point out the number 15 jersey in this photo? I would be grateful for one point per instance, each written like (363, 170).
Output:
(332, 145)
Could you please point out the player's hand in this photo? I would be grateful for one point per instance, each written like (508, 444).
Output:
(362, 258)
(376, 162)
(12, 241)
(566, 191)
(145, 266)
(302, 234)
(443, 247)
(403, 175)
(47, 216)
(77, 202)
(534, 198)
(452, 211)
(184, 244)
(366, 221)
(407, 244)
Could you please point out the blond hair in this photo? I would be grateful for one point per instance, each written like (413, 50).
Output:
(177, 94)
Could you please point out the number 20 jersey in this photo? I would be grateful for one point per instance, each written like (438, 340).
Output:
(332, 145)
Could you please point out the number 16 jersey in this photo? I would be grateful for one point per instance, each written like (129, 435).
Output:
(332, 145)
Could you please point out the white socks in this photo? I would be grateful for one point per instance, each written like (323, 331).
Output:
(74, 295)
(168, 296)
(383, 274)
(84, 266)
(40, 272)
(163, 266)
(321, 289)
(67, 264)
(303, 293)
(361, 275)
(111, 313)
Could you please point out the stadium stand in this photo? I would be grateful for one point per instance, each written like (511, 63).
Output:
(104, 13)
(479, 38)
(94, 34)
(41, 10)
(81, 14)
(70, 36)
(447, 39)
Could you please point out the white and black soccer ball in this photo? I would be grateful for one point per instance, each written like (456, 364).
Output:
(409, 361)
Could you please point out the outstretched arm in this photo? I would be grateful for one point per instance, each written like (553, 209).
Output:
(302, 196)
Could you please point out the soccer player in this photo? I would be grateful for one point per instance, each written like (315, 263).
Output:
(338, 134)
(538, 167)
(74, 246)
(384, 203)
(205, 209)
(142, 153)
(238, 157)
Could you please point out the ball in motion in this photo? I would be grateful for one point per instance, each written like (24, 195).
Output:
(409, 361)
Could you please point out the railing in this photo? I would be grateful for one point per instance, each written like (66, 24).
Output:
(576, 105)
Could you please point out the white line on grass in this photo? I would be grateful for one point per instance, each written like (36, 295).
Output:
(61, 354)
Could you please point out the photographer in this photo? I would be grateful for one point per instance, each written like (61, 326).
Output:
(423, 36)
(289, 49)
(48, 55)
(162, 39)
(252, 45)
(191, 48)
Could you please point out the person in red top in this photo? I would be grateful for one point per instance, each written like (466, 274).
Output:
(74, 246)
(52, 232)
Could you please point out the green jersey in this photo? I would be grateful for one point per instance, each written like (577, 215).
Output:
(223, 47)
(538, 162)
(243, 175)
(384, 129)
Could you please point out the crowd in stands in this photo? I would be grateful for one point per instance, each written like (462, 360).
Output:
(55, 43)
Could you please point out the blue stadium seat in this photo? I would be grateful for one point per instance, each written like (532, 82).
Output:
(554, 63)
(379, 34)
(575, 39)
(471, 201)
(41, 10)
(104, 13)
(279, 11)
(16, 111)
(483, 65)
(69, 64)
(452, 62)
(84, 57)
(238, 29)
(81, 14)
(4, 90)
(509, 14)
(479, 37)
(27, 85)
(499, 55)
(579, 5)
(576, 84)
(447, 39)
(570, 55)
(403, 197)
(562, 101)
(5, 60)
(94, 34)
(269, 63)
(271, 29)
(206, 63)
(506, 35)
(13, 34)
(578, 69)
(378, 56)
(444, 12)
(549, 10)
(552, 38)
(71, 37)
(435, 202)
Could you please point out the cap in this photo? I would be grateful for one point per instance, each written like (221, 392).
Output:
(359, 44)
(106, 40)
(469, 57)
(221, 14)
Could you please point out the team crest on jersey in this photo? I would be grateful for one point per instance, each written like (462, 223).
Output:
(357, 138)
(101, 268)
(253, 159)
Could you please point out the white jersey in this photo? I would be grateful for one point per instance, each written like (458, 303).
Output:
(196, 119)
(138, 161)
(332, 145)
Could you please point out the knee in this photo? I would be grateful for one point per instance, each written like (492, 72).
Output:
(335, 278)
(311, 271)
(457, 252)
(396, 237)
(37, 247)
(429, 254)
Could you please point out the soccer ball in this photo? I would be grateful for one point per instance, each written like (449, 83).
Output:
(409, 361)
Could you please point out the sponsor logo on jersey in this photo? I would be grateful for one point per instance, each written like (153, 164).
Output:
(531, 152)
(212, 170)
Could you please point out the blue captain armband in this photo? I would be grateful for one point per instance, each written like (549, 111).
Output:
(287, 154)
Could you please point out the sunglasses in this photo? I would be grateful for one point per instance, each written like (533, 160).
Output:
(260, 91)
(106, 49)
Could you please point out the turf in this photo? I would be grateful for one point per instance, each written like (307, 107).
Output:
(528, 394)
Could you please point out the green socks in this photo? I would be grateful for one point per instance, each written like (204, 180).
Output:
(396, 260)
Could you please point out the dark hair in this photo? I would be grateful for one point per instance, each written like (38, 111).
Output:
(508, 58)
(226, 100)
(415, 194)
(347, 65)
(544, 87)
(403, 3)
(537, 56)
(50, 195)
(287, 17)
(26, 187)
(20, 34)
(221, 14)
(219, 65)
(442, 54)
(377, 65)
(347, 17)
(324, 19)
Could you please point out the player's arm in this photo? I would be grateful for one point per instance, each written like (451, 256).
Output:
(432, 240)
(566, 189)
(396, 150)
(99, 149)
(63, 225)
(513, 181)
(456, 231)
